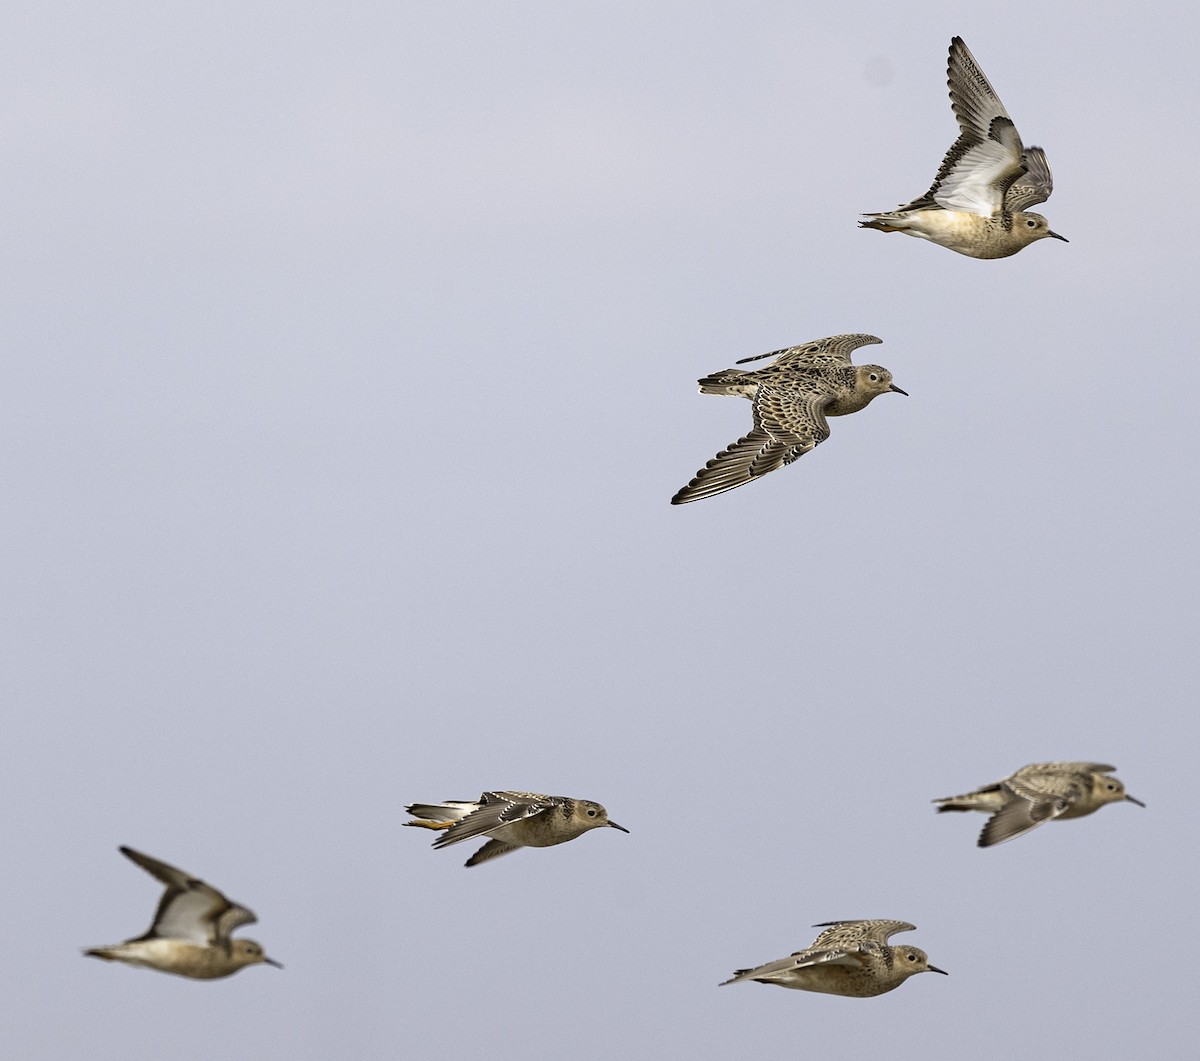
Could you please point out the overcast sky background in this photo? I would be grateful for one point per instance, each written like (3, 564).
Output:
(350, 365)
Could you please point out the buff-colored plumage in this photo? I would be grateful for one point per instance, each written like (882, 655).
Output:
(1038, 793)
(190, 935)
(792, 398)
(851, 958)
(511, 820)
(976, 204)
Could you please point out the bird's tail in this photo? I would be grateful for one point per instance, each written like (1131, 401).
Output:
(438, 815)
(968, 801)
(727, 381)
(884, 223)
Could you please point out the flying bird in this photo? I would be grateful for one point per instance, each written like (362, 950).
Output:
(849, 958)
(792, 399)
(190, 935)
(977, 202)
(512, 820)
(1037, 793)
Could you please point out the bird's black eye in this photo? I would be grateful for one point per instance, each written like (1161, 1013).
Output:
(873, 377)
(591, 812)
(912, 957)
(1031, 223)
(1112, 788)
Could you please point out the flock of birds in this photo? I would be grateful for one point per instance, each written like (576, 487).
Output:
(191, 934)
(975, 206)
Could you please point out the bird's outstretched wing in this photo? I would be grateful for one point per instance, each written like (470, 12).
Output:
(988, 156)
(833, 350)
(189, 909)
(849, 933)
(787, 424)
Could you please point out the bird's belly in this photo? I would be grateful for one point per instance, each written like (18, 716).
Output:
(974, 235)
(528, 833)
(172, 956)
(838, 980)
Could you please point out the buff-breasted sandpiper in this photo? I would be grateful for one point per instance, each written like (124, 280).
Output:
(1037, 793)
(849, 958)
(512, 820)
(976, 205)
(792, 397)
(190, 934)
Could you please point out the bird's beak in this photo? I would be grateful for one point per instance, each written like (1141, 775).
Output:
(614, 825)
(935, 969)
(898, 390)
(1057, 236)
(1130, 799)
(271, 961)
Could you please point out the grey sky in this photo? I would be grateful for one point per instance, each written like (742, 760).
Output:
(350, 362)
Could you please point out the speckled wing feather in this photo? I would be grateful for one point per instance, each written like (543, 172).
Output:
(793, 415)
(850, 933)
(1063, 768)
(787, 424)
(730, 468)
(834, 350)
(1036, 184)
(1038, 788)
(495, 809)
(972, 98)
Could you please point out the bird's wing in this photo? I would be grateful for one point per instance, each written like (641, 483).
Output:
(1036, 184)
(803, 959)
(495, 809)
(988, 157)
(788, 422)
(1036, 769)
(189, 909)
(972, 97)
(492, 849)
(793, 414)
(1048, 787)
(233, 916)
(850, 933)
(1018, 816)
(731, 467)
(834, 350)
(1039, 793)
(169, 875)
(976, 175)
